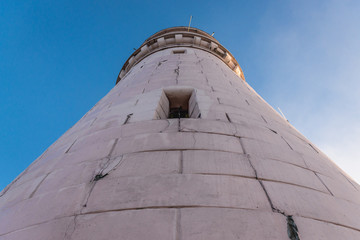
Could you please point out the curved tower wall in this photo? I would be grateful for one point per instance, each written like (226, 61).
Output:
(235, 169)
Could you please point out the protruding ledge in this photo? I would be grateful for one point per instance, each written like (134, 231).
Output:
(181, 36)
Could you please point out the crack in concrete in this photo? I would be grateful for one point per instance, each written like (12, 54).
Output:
(68, 233)
(292, 229)
(159, 63)
(113, 147)
(127, 118)
(177, 72)
(242, 145)
(291, 226)
(99, 175)
(228, 118)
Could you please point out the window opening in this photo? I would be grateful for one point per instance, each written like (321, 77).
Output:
(178, 102)
(182, 51)
(178, 113)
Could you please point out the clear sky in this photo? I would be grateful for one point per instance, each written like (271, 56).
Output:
(58, 58)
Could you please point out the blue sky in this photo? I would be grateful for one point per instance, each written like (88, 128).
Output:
(58, 58)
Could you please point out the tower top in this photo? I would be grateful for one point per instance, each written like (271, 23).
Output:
(183, 37)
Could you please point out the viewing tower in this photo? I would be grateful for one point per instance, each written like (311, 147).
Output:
(182, 148)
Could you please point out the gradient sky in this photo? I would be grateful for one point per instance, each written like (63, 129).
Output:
(58, 58)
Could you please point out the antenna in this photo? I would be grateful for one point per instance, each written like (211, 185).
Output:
(282, 114)
(189, 23)
(213, 34)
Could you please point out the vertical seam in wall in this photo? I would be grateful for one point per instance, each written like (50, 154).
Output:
(93, 122)
(70, 146)
(127, 118)
(313, 148)
(263, 118)
(323, 183)
(348, 181)
(37, 187)
(287, 143)
(228, 118)
(242, 145)
(181, 162)
(178, 224)
(113, 147)
(273, 208)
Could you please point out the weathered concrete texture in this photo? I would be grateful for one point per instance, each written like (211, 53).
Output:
(234, 170)
(133, 224)
(53, 229)
(176, 190)
(215, 223)
(217, 163)
(300, 201)
(313, 229)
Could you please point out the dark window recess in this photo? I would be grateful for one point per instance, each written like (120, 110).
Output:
(178, 112)
(178, 102)
(179, 52)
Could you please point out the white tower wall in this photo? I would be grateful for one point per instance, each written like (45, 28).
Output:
(234, 170)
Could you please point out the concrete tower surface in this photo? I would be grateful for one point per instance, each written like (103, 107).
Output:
(182, 148)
